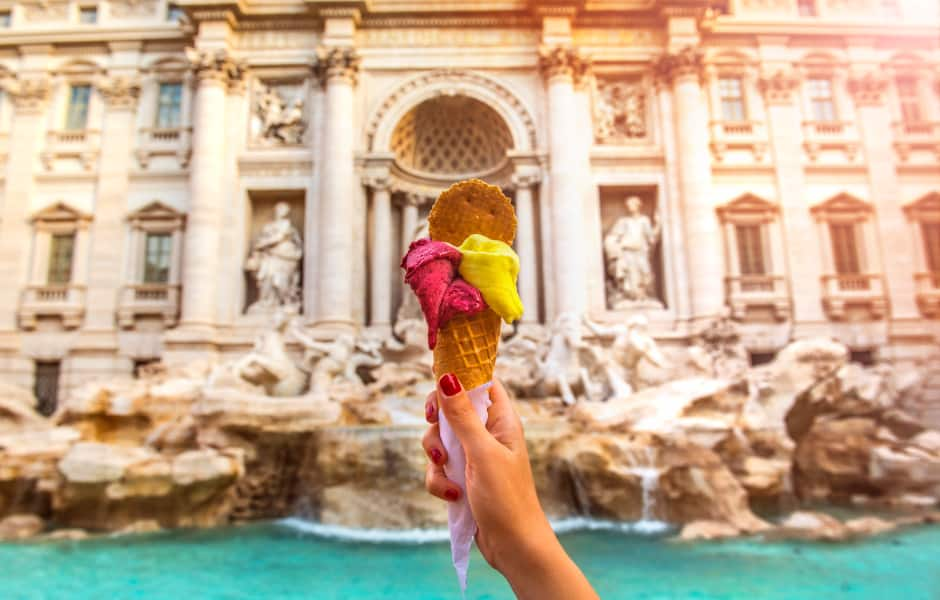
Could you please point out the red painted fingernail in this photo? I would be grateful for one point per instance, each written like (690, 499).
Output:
(449, 384)
(452, 494)
(429, 410)
(436, 456)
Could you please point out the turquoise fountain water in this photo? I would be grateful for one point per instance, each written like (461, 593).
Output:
(291, 559)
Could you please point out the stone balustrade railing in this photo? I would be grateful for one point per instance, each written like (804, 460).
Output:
(149, 299)
(173, 142)
(65, 301)
(858, 289)
(758, 291)
(928, 293)
(77, 144)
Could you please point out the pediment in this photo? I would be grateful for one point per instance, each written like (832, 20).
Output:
(748, 207)
(925, 208)
(59, 212)
(156, 213)
(842, 205)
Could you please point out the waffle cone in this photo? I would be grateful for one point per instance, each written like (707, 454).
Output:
(467, 345)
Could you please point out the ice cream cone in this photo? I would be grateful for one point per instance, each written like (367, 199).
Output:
(467, 345)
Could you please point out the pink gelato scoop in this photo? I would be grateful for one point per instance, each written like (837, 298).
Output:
(431, 271)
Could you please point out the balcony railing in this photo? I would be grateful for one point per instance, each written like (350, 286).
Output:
(829, 129)
(745, 291)
(164, 141)
(860, 289)
(66, 301)
(150, 299)
(738, 135)
(922, 130)
(928, 293)
(839, 136)
(80, 144)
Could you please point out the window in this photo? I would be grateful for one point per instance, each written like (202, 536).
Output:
(169, 100)
(807, 8)
(46, 387)
(174, 13)
(909, 100)
(88, 15)
(931, 233)
(5, 18)
(845, 248)
(750, 249)
(822, 105)
(732, 99)
(77, 115)
(61, 251)
(157, 253)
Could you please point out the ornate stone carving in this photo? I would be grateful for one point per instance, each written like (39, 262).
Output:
(687, 63)
(868, 89)
(132, 8)
(278, 121)
(563, 61)
(458, 78)
(341, 63)
(619, 112)
(120, 92)
(526, 179)
(267, 365)
(377, 180)
(46, 10)
(779, 87)
(274, 262)
(215, 65)
(627, 247)
(29, 95)
(618, 363)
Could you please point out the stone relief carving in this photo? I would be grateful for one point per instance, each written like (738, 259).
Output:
(688, 62)
(216, 65)
(718, 351)
(868, 89)
(779, 87)
(279, 115)
(133, 8)
(274, 262)
(627, 256)
(337, 63)
(29, 95)
(619, 112)
(119, 92)
(46, 10)
(563, 61)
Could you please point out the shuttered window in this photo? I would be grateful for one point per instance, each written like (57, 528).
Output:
(61, 251)
(158, 250)
(931, 233)
(845, 248)
(732, 99)
(909, 100)
(821, 100)
(750, 249)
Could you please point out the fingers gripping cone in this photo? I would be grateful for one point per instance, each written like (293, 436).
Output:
(466, 345)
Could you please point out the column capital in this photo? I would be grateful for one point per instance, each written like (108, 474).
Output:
(563, 61)
(119, 92)
(377, 180)
(526, 179)
(29, 96)
(778, 88)
(685, 64)
(337, 63)
(867, 89)
(215, 66)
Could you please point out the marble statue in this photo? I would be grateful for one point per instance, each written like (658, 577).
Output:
(627, 256)
(275, 263)
(561, 370)
(517, 364)
(367, 354)
(719, 348)
(267, 365)
(328, 361)
(631, 344)
(281, 122)
(620, 112)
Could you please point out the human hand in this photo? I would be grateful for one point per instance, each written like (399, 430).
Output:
(513, 534)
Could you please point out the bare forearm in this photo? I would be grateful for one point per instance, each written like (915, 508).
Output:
(546, 572)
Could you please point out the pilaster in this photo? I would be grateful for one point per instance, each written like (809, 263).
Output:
(380, 260)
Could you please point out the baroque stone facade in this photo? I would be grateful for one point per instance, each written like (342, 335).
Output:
(790, 173)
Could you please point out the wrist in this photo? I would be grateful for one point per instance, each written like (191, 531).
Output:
(535, 551)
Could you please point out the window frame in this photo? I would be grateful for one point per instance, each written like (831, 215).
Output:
(725, 100)
(56, 273)
(912, 99)
(70, 110)
(160, 105)
(815, 101)
(88, 9)
(164, 252)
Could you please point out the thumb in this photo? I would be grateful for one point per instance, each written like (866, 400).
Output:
(458, 410)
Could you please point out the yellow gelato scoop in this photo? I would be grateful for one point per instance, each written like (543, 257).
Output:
(492, 267)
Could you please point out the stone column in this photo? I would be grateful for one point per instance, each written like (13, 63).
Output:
(780, 91)
(380, 263)
(201, 260)
(526, 244)
(30, 98)
(874, 122)
(702, 232)
(560, 66)
(106, 273)
(409, 219)
(337, 68)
